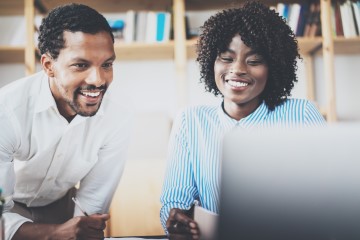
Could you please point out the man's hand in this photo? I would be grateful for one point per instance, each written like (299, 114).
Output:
(90, 227)
(180, 225)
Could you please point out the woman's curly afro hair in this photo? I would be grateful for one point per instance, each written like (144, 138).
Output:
(73, 18)
(265, 32)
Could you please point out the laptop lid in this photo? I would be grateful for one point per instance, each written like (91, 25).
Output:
(291, 184)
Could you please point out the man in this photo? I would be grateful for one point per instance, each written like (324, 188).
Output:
(58, 129)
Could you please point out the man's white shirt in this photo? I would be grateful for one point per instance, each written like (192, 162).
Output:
(42, 156)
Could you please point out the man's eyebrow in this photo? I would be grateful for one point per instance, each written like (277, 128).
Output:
(112, 58)
(79, 59)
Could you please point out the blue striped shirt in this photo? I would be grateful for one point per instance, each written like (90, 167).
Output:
(193, 170)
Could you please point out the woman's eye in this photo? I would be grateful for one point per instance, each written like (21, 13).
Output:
(226, 59)
(255, 62)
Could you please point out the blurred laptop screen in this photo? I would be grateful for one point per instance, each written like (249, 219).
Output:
(291, 184)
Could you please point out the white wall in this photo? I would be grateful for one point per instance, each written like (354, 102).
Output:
(150, 85)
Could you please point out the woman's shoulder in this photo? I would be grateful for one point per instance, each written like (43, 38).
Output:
(295, 104)
(199, 110)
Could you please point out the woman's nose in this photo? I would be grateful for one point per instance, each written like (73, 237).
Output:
(238, 68)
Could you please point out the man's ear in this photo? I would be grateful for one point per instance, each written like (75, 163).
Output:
(47, 63)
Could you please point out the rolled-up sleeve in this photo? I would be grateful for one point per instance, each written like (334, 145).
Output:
(179, 189)
(9, 142)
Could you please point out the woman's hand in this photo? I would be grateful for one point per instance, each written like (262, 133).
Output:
(181, 225)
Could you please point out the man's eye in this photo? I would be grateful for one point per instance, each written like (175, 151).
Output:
(107, 65)
(80, 65)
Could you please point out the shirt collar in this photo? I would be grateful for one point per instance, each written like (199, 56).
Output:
(45, 99)
(256, 117)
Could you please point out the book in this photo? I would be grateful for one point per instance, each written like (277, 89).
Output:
(332, 19)
(338, 20)
(129, 31)
(313, 24)
(167, 27)
(140, 26)
(117, 28)
(304, 12)
(347, 19)
(309, 19)
(294, 16)
(160, 25)
(151, 24)
(280, 7)
(356, 12)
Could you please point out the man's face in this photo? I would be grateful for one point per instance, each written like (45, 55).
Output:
(82, 73)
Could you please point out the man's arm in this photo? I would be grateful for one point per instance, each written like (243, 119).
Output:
(18, 227)
(99, 185)
(90, 227)
(9, 143)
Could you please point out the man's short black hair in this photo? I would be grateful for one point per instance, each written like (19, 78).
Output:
(265, 32)
(73, 18)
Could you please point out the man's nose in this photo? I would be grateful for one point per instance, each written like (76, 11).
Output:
(95, 78)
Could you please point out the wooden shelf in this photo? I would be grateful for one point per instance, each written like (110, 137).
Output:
(16, 7)
(309, 45)
(113, 5)
(223, 4)
(13, 7)
(133, 51)
(12, 54)
(191, 48)
(347, 45)
(144, 51)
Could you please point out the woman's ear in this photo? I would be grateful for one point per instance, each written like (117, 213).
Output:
(47, 63)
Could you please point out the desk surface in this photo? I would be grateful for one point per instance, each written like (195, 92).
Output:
(139, 237)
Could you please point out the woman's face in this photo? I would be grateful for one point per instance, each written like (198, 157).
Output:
(240, 75)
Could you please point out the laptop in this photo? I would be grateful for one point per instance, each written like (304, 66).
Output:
(291, 184)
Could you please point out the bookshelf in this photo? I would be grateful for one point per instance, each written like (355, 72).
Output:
(180, 50)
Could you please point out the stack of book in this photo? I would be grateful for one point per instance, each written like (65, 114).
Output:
(345, 18)
(143, 26)
(303, 19)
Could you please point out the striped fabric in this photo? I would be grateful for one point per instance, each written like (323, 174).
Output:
(193, 170)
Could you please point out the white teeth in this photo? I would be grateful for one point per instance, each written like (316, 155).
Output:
(91, 94)
(237, 84)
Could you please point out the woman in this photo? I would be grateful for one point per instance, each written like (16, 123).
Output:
(248, 56)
